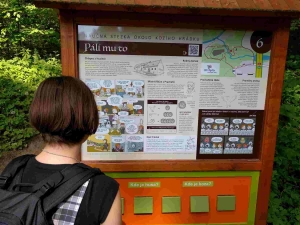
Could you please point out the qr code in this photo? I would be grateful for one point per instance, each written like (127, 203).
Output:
(194, 50)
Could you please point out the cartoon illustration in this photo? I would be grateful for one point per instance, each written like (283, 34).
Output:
(228, 100)
(190, 87)
(214, 125)
(211, 144)
(242, 126)
(105, 145)
(122, 128)
(152, 68)
(239, 145)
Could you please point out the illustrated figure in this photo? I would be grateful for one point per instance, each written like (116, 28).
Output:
(226, 125)
(118, 148)
(108, 125)
(101, 93)
(190, 87)
(249, 127)
(214, 145)
(108, 92)
(242, 140)
(220, 146)
(215, 127)
(114, 130)
(243, 127)
(239, 146)
(202, 126)
(237, 127)
(231, 126)
(105, 111)
(232, 145)
(206, 140)
(141, 127)
(208, 127)
(105, 145)
(122, 128)
(207, 145)
(201, 145)
(227, 145)
(115, 111)
(221, 127)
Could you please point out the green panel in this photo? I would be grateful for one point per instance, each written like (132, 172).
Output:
(226, 203)
(143, 205)
(171, 205)
(253, 198)
(253, 191)
(199, 204)
(122, 201)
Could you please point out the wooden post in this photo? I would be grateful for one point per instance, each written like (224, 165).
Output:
(68, 43)
(272, 110)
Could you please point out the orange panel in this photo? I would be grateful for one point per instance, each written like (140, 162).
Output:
(237, 186)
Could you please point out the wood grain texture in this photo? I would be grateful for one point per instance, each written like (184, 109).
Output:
(272, 109)
(180, 21)
(246, 4)
(195, 3)
(163, 7)
(293, 4)
(280, 5)
(263, 4)
(67, 39)
(188, 165)
(229, 4)
(212, 3)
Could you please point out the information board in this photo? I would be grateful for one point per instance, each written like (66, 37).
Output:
(174, 93)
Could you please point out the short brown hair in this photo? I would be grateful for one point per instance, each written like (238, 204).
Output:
(64, 110)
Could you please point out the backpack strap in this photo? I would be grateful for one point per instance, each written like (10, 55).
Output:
(59, 186)
(11, 172)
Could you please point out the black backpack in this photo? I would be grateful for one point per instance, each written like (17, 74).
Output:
(31, 208)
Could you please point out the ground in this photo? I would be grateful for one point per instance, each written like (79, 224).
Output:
(35, 147)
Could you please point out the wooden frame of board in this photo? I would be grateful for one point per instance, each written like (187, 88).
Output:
(264, 162)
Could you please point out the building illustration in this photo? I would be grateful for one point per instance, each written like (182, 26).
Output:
(150, 68)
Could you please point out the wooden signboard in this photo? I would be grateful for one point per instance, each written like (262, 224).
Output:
(188, 94)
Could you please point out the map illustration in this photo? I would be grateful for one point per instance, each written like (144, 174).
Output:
(230, 53)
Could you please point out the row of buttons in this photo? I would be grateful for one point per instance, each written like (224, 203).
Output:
(198, 204)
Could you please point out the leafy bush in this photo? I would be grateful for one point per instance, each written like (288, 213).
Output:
(19, 78)
(24, 26)
(284, 205)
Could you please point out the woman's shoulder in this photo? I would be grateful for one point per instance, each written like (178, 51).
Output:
(104, 183)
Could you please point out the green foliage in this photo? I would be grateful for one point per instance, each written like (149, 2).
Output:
(25, 27)
(19, 79)
(284, 205)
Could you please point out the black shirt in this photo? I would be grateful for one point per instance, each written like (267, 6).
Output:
(98, 198)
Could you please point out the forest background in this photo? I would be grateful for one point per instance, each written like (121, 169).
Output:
(30, 52)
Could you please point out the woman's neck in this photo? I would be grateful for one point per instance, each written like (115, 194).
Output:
(59, 154)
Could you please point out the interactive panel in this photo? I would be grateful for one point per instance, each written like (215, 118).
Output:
(188, 198)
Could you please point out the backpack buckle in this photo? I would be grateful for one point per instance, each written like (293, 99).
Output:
(4, 180)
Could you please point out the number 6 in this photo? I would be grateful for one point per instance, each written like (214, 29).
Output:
(259, 43)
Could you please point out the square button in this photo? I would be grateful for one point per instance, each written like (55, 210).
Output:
(143, 205)
(199, 204)
(122, 201)
(171, 205)
(226, 203)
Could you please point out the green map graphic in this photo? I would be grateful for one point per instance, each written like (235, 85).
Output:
(232, 53)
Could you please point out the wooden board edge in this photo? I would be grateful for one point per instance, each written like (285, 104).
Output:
(272, 110)
(187, 165)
